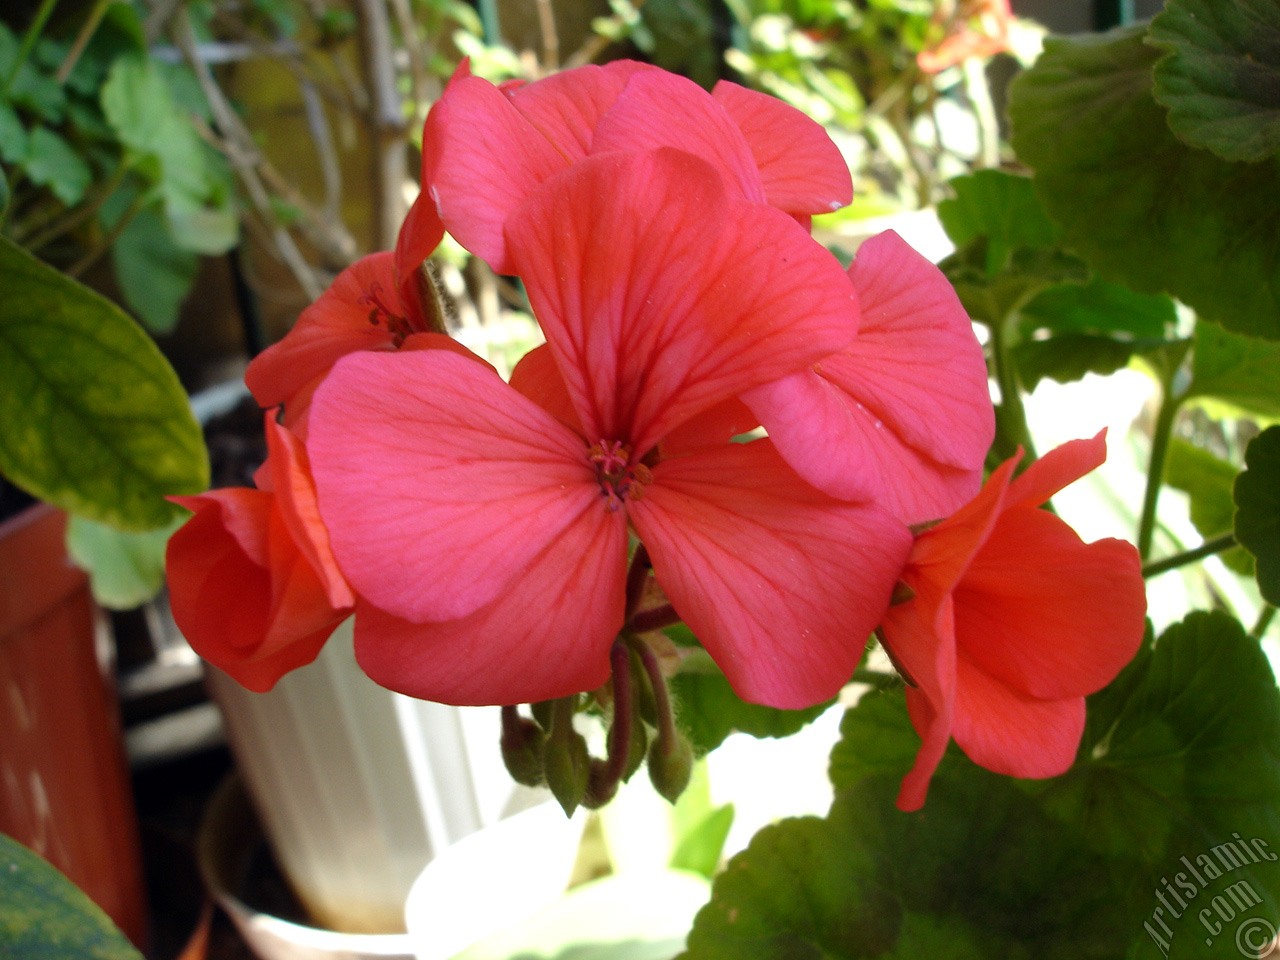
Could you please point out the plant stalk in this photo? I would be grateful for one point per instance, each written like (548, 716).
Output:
(1155, 469)
(1206, 549)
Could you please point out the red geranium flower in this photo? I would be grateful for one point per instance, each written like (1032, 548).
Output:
(252, 581)
(977, 28)
(488, 537)
(486, 148)
(1014, 621)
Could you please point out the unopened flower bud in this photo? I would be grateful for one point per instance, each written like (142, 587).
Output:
(670, 766)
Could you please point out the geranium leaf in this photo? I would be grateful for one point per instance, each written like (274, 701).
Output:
(1140, 205)
(1257, 496)
(1238, 369)
(708, 710)
(13, 136)
(1208, 481)
(1099, 307)
(1070, 357)
(46, 917)
(1001, 208)
(1221, 79)
(95, 420)
(1178, 760)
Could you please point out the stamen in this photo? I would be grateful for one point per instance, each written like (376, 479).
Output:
(381, 313)
(619, 478)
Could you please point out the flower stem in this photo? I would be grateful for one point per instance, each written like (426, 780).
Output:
(637, 577)
(661, 696)
(655, 619)
(1012, 415)
(1206, 549)
(1264, 621)
(1155, 469)
(28, 42)
(605, 777)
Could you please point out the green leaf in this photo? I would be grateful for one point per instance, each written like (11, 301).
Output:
(1257, 496)
(46, 917)
(699, 849)
(991, 300)
(13, 136)
(52, 162)
(1141, 206)
(1221, 79)
(1208, 481)
(32, 89)
(1178, 757)
(155, 276)
(1070, 357)
(141, 107)
(1001, 208)
(126, 569)
(95, 420)
(1099, 307)
(1238, 369)
(708, 711)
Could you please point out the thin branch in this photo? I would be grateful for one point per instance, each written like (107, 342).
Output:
(386, 125)
(597, 43)
(87, 30)
(1206, 549)
(419, 76)
(550, 39)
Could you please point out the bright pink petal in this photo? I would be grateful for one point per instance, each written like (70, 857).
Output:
(295, 494)
(711, 428)
(801, 169)
(538, 378)
(660, 109)
(483, 158)
(660, 296)
(903, 412)
(781, 583)
(1058, 468)
(438, 482)
(350, 316)
(566, 107)
(547, 635)
(420, 234)
(1011, 733)
(1046, 613)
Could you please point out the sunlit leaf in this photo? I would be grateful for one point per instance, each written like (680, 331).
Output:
(95, 420)
(126, 569)
(1208, 481)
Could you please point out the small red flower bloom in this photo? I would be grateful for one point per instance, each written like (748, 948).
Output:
(252, 581)
(486, 148)
(488, 537)
(1014, 621)
(978, 28)
(377, 303)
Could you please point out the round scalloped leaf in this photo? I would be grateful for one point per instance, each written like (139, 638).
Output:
(1221, 79)
(95, 420)
(44, 916)
(1141, 206)
(1257, 497)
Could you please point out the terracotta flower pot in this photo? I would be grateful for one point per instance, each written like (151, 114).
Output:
(64, 781)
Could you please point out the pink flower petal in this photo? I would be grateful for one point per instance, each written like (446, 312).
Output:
(924, 646)
(781, 583)
(337, 324)
(660, 296)
(904, 414)
(801, 169)
(711, 428)
(438, 482)
(538, 378)
(483, 158)
(420, 234)
(1046, 613)
(1011, 733)
(660, 109)
(547, 635)
(566, 107)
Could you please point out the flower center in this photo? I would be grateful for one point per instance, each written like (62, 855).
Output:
(619, 478)
(381, 314)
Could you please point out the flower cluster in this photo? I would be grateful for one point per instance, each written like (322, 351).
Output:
(485, 533)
